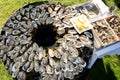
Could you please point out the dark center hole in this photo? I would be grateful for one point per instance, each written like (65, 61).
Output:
(118, 5)
(45, 35)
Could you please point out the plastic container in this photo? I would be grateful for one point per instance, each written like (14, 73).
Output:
(114, 22)
(104, 33)
(89, 9)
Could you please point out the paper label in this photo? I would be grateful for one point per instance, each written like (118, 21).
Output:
(81, 23)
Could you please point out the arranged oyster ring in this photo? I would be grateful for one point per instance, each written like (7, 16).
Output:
(38, 42)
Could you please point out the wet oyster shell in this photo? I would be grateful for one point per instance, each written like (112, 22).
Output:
(22, 53)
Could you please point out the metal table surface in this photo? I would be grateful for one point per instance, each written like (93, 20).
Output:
(113, 49)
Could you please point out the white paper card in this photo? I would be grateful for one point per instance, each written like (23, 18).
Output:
(81, 23)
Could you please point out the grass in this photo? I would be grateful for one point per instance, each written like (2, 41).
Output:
(106, 69)
(3, 73)
(114, 63)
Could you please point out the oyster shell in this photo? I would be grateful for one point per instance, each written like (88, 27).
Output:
(25, 58)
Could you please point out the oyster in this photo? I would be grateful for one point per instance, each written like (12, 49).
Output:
(114, 24)
(51, 52)
(104, 33)
(39, 42)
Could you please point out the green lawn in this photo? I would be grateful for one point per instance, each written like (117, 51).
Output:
(106, 69)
